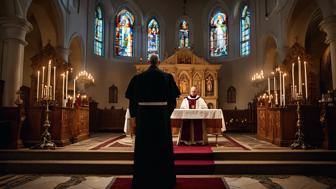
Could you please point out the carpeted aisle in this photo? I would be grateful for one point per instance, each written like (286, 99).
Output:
(181, 183)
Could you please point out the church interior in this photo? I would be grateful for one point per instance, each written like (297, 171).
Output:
(267, 67)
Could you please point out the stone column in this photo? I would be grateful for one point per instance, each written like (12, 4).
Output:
(13, 31)
(328, 25)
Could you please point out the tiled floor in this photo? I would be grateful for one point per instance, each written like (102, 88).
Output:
(249, 142)
(105, 181)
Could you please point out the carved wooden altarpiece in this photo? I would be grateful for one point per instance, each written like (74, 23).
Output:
(190, 70)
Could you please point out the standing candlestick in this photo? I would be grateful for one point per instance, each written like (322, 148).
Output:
(300, 80)
(63, 81)
(293, 81)
(38, 85)
(306, 84)
(54, 83)
(66, 84)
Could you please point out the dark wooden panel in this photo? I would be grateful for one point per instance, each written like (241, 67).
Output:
(2, 86)
(238, 120)
(278, 125)
(10, 127)
(110, 120)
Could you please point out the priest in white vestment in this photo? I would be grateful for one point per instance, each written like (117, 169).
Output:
(193, 132)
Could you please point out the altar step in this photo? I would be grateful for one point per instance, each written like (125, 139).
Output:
(315, 162)
(124, 167)
(274, 155)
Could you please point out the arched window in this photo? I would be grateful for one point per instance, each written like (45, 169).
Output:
(153, 38)
(184, 34)
(99, 32)
(245, 31)
(124, 28)
(218, 34)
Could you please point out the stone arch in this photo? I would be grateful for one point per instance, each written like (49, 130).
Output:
(76, 56)
(47, 27)
(299, 18)
(271, 56)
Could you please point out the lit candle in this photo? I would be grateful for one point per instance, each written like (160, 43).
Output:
(306, 84)
(63, 81)
(54, 83)
(269, 86)
(48, 81)
(300, 81)
(66, 83)
(42, 93)
(50, 92)
(280, 87)
(284, 89)
(274, 82)
(38, 85)
(293, 81)
(74, 91)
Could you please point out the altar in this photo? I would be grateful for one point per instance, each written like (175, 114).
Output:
(213, 120)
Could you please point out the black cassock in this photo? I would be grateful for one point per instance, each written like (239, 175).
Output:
(153, 151)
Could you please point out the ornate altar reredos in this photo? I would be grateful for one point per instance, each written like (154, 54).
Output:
(190, 70)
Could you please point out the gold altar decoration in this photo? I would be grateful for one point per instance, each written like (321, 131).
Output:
(292, 57)
(188, 69)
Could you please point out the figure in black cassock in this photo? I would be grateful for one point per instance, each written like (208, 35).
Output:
(152, 96)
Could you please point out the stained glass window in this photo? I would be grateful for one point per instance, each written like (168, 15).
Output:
(124, 33)
(99, 32)
(153, 38)
(219, 35)
(245, 31)
(184, 35)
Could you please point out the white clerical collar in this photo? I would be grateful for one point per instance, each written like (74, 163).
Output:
(191, 98)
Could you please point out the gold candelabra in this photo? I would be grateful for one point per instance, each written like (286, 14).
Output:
(46, 142)
(299, 142)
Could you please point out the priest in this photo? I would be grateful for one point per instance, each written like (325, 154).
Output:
(152, 97)
(193, 132)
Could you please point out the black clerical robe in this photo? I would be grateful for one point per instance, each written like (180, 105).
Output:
(152, 95)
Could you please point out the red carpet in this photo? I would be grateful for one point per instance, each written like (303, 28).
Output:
(181, 183)
(192, 149)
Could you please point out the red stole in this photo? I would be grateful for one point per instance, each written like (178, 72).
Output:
(192, 102)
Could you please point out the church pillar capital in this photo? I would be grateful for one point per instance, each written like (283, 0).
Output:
(13, 32)
(64, 52)
(328, 25)
(14, 28)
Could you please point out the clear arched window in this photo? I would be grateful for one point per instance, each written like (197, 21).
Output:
(245, 31)
(99, 32)
(153, 38)
(184, 34)
(124, 28)
(219, 34)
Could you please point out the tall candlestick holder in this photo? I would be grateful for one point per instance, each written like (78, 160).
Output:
(46, 142)
(299, 142)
